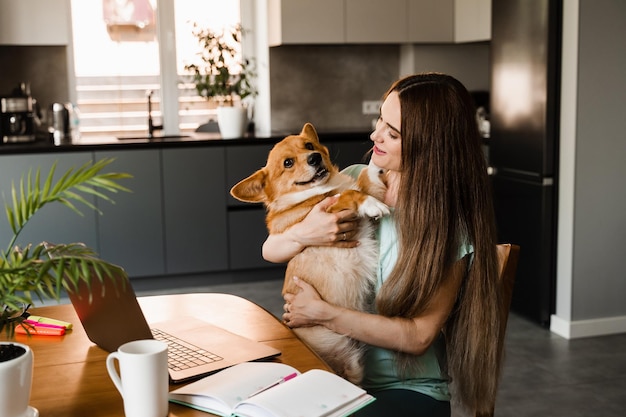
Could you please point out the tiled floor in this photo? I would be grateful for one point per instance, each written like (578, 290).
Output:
(547, 375)
(544, 374)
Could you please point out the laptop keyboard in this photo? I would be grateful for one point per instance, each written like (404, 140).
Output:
(182, 355)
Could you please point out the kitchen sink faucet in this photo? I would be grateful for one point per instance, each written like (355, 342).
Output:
(151, 126)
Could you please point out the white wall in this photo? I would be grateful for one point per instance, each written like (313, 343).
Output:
(591, 279)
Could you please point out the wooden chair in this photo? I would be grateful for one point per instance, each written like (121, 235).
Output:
(508, 255)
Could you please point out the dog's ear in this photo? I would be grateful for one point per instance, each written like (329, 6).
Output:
(308, 131)
(251, 189)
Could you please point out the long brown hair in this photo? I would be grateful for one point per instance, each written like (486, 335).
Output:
(444, 200)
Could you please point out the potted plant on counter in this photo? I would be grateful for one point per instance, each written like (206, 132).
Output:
(223, 75)
(41, 271)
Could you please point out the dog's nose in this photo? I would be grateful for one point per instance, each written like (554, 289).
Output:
(314, 159)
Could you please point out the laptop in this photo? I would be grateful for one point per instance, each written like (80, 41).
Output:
(111, 316)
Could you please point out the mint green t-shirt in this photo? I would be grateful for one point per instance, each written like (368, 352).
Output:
(380, 369)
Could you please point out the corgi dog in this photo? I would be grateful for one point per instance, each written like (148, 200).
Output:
(298, 175)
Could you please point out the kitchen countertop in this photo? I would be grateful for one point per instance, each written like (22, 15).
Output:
(193, 139)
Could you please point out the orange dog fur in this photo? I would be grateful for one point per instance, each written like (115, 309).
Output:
(298, 175)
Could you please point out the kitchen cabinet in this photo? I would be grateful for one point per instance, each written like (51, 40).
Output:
(55, 222)
(430, 21)
(194, 210)
(247, 232)
(131, 230)
(178, 218)
(302, 22)
(306, 22)
(376, 21)
(246, 221)
(445, 21)
(242, 162)
(35, 22)
(336, 21)
(472, 20)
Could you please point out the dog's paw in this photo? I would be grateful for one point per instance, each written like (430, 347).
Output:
(373, 208)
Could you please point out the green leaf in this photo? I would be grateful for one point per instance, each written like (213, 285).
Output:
(41, 271)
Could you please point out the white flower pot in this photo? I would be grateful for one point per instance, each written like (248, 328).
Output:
(16, 376)
(232, 121)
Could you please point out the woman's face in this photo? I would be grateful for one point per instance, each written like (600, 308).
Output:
(386, 137)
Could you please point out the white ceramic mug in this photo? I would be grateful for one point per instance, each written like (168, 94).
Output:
(15, 383)
(143, 378)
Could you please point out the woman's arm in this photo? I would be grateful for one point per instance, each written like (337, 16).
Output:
(318, 228)
(410, 335)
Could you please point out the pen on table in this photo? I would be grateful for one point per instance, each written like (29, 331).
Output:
(31, 329)
(40, 324)
(47, 320)
(273, 384)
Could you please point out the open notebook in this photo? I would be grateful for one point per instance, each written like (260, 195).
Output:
(112, 317)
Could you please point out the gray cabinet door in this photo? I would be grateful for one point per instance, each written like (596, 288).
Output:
(55, 222)
(194, 210)
(247, 233)
(246, 221)
(131, 230)
(241, 162)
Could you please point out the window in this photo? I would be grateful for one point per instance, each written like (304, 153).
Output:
(116, 61)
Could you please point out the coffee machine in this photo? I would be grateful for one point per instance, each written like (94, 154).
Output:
(17, 117)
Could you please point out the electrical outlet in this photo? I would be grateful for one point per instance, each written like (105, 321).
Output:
(371, 106)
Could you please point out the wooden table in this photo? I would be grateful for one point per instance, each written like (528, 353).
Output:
(70, 377)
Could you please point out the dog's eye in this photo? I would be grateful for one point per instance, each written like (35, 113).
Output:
(309, 146)
(288, 163)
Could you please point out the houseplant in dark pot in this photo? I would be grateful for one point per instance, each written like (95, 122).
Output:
(223, 75)
(41, 271)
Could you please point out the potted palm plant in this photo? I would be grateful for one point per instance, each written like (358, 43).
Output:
(221, 74)
(43, 270)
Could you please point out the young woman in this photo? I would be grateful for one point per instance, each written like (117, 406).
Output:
(436, 319)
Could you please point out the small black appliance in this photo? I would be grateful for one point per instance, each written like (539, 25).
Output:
(17, 118)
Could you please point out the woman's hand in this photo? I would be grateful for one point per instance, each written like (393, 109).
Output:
(318, 228)
(305, 307)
